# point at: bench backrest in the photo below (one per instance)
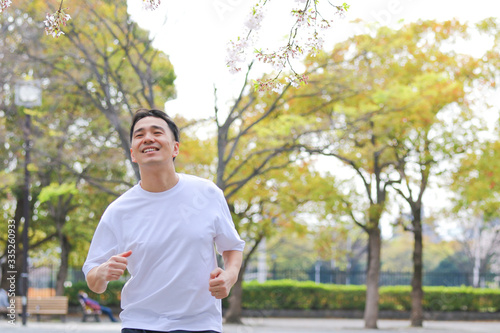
(45, 305)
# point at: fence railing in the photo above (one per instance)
(45, 277)
(325, 275)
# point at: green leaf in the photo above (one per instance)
(55, 190)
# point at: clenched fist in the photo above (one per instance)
(114, 268)
(111, 270)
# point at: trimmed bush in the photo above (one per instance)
(290, 294)
(461, 299)
(395, 298)
(307, 295)
(297, 295)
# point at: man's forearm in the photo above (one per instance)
(96, 282)
(232, 263)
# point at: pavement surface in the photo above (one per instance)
(266, 325)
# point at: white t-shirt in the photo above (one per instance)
(171, 235)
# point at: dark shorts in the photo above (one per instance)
(135, 330)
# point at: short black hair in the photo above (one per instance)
(143, 113)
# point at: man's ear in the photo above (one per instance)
(176, 149)
(132, 156)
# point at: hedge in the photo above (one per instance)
(300, 295)
(111, 297)
(289, 294)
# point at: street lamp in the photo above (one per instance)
(28, 95)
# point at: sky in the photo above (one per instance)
(195, 33)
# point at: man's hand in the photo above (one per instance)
(114, 268)
(221, 281)
(111, 270)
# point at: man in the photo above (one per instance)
(4, 300)
(94, 305)
(163, 231)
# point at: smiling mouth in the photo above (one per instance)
(149, 150)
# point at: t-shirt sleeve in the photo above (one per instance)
(226, 238)
(104, 245)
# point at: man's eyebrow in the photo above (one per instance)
(141, 129)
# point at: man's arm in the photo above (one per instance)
(221, 281)
(113, 269)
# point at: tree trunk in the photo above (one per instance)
(233, 314)
(372, 278)
(62, 274)
(417, 293)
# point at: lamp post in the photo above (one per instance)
(28, 95)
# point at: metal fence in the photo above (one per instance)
(325, 275)
(45, 277)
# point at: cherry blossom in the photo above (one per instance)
(306, 38)
(236, 53)
(4, 4)
(296, 80)
(237, 50)
(55, 22)
(151, 4)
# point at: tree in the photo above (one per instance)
(476, 185)
(358, 137)
(429, 139)
(400, 79)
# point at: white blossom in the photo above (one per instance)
(292, 80)
(54, 23)
(307, 37)
(254, 20)
(4, 4)
(278, 88)
(150, 4)
(236, 54)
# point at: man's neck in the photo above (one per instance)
(158, 181)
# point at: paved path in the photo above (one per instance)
(270, 325)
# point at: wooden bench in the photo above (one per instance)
(54, 305)
(89, 312)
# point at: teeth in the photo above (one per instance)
(148, 150)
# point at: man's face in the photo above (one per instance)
(153, 142)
